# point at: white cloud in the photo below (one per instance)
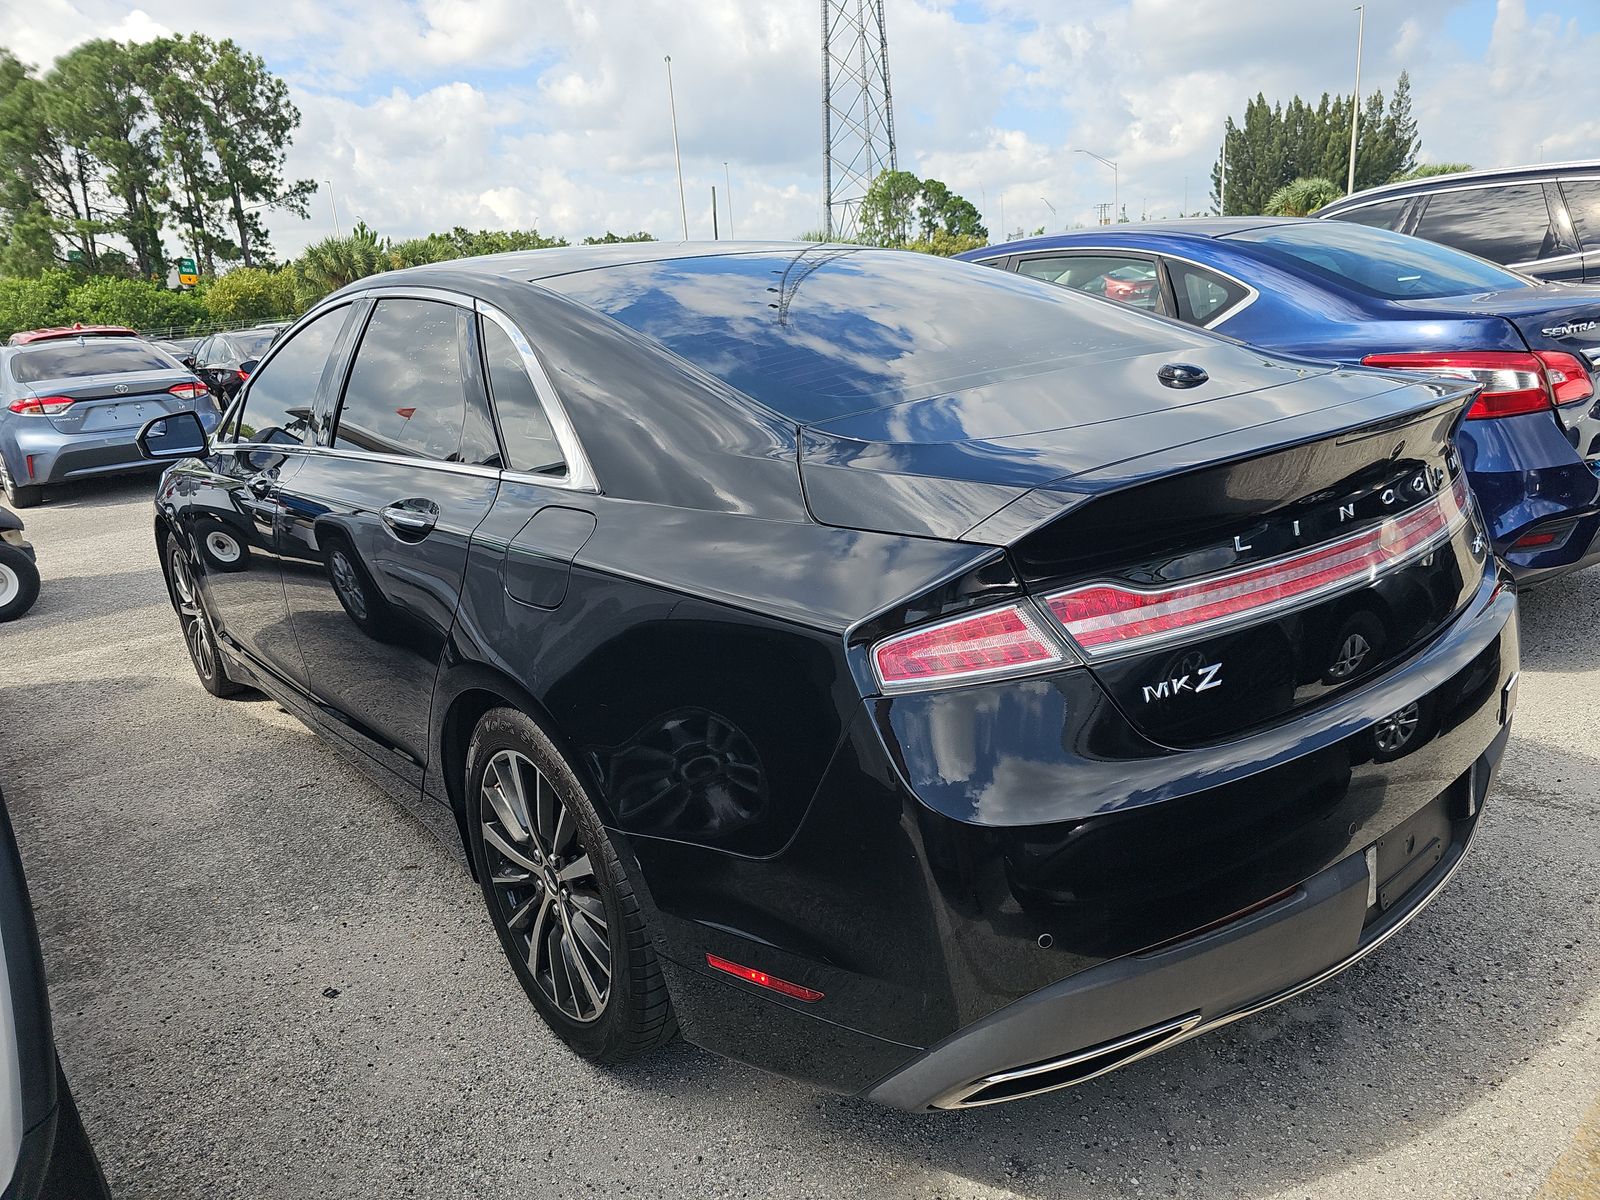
(434, 113)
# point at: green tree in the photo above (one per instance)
(941, 210)
(247, 294)
(134, 302)
(96, 102)
(1429, 170)
(944, 243)
(887, 212)
(1279, 143)
(34, 303)
(332, 263)
(1302, 197)
(248, 121)
(608, 238)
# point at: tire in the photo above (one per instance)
(19, 495)
(19, 582)
(221, 547)
(358, 595)
(534, 834)
(199, 637)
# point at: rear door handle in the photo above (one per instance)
(406, 520)
(261, 485)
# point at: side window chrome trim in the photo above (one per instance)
(580, 475)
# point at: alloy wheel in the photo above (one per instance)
(545, 887)
(1395, 730)
(350, 589)
(196, 632)
(1351, 655)
(10, 585)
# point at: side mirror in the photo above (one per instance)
(179, 435)
(248, 366)
(188, 361)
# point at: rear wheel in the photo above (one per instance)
(18, 495)
(198, 635)
(19, 582)
(565, 913)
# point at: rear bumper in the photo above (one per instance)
(58, 457)
(1130, 1008)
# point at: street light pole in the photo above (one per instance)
(337, 231)
(1116, 184)
(1355, 102)
(728, 179)
(1050, 206)
(672, 104)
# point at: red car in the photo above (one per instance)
(69, 331)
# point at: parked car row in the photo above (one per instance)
(919, 679)
(72, 399)
(1346, 293)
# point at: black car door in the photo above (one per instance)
(1508, 223)
(1582, 198)
(381, 517)
(232, 512)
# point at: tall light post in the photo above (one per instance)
(728, 179)
(1116, 184)
(1355, 102)
(337, 231)
(672, 105)
(1050, 206)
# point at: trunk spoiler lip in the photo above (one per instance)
(1051, 500)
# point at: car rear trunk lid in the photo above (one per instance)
(110, 402)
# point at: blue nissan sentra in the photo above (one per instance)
(1357, 295)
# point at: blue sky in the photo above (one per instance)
(429, 113)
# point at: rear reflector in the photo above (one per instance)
(1514, 382)
(762, 979)
(34, 406)
(1106, 619)
(987, 645)
(188, 391)
(1531, 541)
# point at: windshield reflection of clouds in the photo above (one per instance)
(820, 333)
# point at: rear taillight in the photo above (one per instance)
(1514, 382)
(987, 645)
(34, 406)
(188, 391)
(1106, 619)
(243, 375)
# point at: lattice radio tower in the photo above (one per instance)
(857, 109)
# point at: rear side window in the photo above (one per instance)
(278, 407)
(1583, 202)
(1377, 262)
(407, 392)
(1502, 224)
(75, 359)
(1126, 279)
(530, 442)
(1202, 295)
(1385, 215)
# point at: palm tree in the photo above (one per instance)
(332, 263)
(1302, 197)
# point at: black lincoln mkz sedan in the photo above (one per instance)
(921, 681)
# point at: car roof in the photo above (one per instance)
(530, 266)
(57, 332)
(1193, 227)
(1414, 187)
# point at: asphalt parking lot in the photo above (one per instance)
(269, 981)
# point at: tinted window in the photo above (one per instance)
(278, 406)
(73, 359)
(251, 345)
(530, 443)
(1377, 262)
(1131, 281)
(1380, 216)
(1202, 295)
(406, 393)
(1502, 224)
(1583, 202)
(819, 333)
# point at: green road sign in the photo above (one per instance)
(74, 255)
(186, 267)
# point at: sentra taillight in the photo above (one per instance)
(987, 645)
(34, 406)
(1514, 382)
(1107, 619)
(188, 391)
